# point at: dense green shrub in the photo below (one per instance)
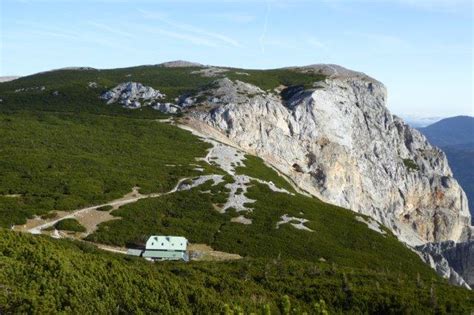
(74, 94)
(411, 165)
(42, 275)
(69, 225)
(49, 215)
(105, 208)
(64, 161)
(270, 79)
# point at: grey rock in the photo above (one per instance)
(166, 108)
(186, 101)
(226, 91)
(442, 267)
(30, 89)
(180, 64)
(210, 71)
(131, 94)
(450, 256)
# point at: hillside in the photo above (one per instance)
(123, 174)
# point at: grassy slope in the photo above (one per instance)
(41, 275)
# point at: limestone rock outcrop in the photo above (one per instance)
(132, 95)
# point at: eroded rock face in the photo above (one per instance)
(340, 143)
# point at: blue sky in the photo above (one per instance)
(421, 49)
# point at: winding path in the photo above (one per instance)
(132, 197)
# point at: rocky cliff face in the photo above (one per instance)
(339, 142)
(454, 261)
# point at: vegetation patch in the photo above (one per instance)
(270, 79)
(411, 165)
(255, 167)
(70, 225)
(190, 213)
(49, 215)
(75, 95)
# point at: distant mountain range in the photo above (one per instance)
(450, 131)
(455, 136)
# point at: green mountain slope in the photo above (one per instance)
(69, 150)
(64, 161)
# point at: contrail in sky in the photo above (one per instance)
(265, 25)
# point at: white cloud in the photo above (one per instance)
(62, 33)
(197, 40)
(110, 29)
(211, 36)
